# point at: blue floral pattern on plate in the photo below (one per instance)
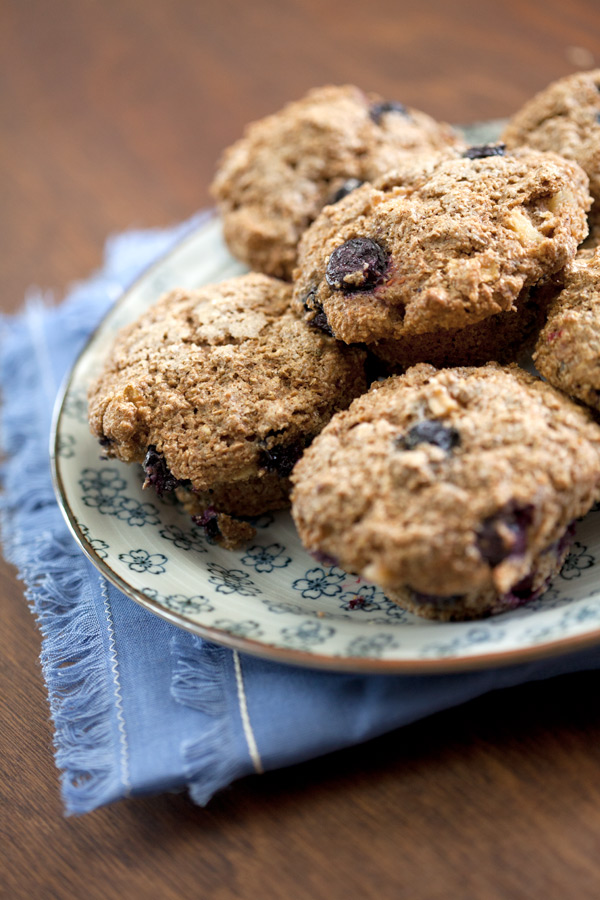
(100, 547)
(66, 446)
(374, 645)
(265, 559)
(306, 635)
(142, 561)
(473, 636)
(246, 628)
(76, 406)
(103, 490)
(576, 562)
(318, 582)
(192, 539)
(180, 603)
(232, 581)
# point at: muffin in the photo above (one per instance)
(274, 181)
(454, 490)
(217, 391)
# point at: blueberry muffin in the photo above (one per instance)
(217, 391)
(455, 490)
(565, 118)
(567, 352)
(440, 245)
(272, 183)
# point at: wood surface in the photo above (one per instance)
(112, 115)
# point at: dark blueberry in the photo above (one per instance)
(480, 151)
(348, 186)
(430, 431)
(386, 106)
(356, 603)
(281, 458)
(158, 474)
(524, 591)
(105, 441)
(505, 533)
(325, 558)
(357, 265)
(319, 319)
(209, 521)
(320, 322)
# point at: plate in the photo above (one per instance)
(271, 598)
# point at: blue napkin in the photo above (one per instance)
(138, 705)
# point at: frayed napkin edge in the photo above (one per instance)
(80, 689)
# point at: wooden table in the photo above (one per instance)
(112, 114)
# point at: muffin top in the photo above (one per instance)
(441, 243)
(272, 183)
(447, 481)
(565, 118)
(567, 352)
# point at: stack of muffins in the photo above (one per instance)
(387, 253)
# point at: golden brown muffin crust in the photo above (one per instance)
(441, 244)
(448, 482)
(220, 381)
(272, 183)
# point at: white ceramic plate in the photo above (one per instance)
(272, 599)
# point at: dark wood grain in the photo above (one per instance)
(112, 115)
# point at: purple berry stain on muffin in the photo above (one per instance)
(524, 590)
(158, 474)
(480, 151)
(281, 458)
(504, 534)
(209, 521)
(319, 318)
(563, 543)
(351, 184)
(326, 559)
(378, 110)
(356, 265)
(430, 431)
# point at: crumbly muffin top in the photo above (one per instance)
(567, 352)
(440, 243)
(216, 378)
(272, 183)
(447, 481)
(565, 118)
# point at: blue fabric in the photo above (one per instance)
(138, 705)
